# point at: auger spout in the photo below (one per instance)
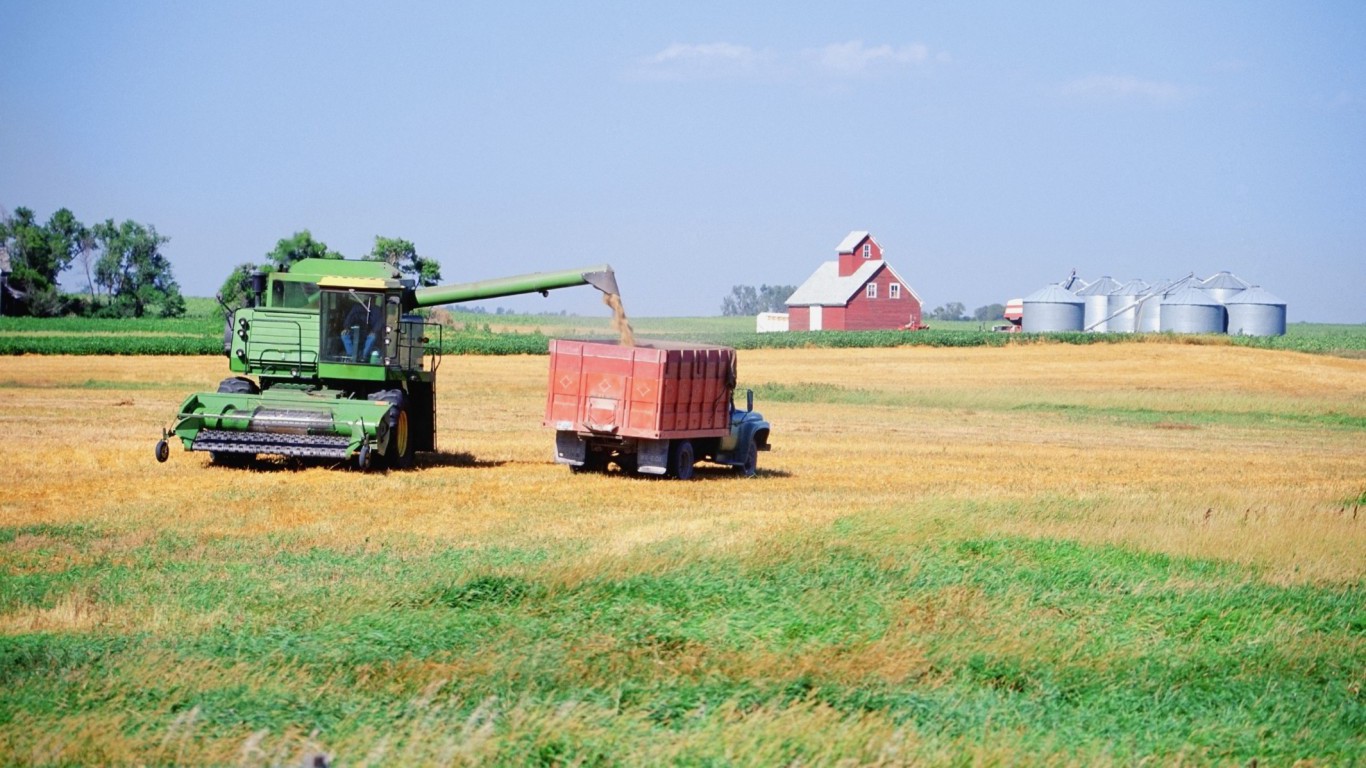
(600, 277)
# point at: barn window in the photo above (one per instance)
(868, 251)
(872, 290)
(894, 291)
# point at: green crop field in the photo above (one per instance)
(200, 333)
(1058, 554)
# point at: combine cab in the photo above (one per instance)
(342, 372)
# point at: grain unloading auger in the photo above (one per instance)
(342, 371)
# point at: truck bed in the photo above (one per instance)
(653, 390)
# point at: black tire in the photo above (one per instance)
(751, 465)
(238, 385)
(681, 460)
(163, 451)
(593, 461)
(400, 453)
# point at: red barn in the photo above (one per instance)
(857, 292)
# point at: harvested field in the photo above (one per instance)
(1096, 553)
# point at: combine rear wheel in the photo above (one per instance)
(238, 385)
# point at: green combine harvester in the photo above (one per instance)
(342, 371)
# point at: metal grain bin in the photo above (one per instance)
(1256, 312)
(1051, 309)
(1096, 303)
(1223, 286)
(1150, 311)
(1122, 306)
(1191, 310)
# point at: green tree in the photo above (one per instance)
(298, 247)
(954, 310)
(989, 312)
(237, 287)
(748, 300)
(403, 255)
(38, 254)
(133, 271)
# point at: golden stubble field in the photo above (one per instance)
(1204, 451)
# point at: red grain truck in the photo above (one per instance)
(655, 408)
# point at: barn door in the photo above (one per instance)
(816, 317)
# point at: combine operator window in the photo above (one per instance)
(355, 327)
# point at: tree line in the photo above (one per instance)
(395, 251)
(126, 275)
(748, 300)
(955, 310)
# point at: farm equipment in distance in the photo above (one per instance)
(342, 371)
(654, 408)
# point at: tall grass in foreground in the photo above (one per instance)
(1064, 554)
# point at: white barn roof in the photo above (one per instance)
(851, 241)
(826, 288)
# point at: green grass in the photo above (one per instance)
(1064, 651)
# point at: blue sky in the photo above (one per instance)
(990, 147)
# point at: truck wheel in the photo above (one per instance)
(400, 453)
(681, 460)
(593, 461)
(751, 465)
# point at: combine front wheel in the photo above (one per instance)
(400, 453)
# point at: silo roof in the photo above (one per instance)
(1134, 287)
(1102, 287)
(1052, 294)
(1191, 296)
(1226, 280)
(1257, 295)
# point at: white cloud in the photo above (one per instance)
(696, 61)
(1125, 88)
(854, 58)
(705, 61)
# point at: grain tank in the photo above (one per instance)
(341, 371)
(1192, 310)
(1051, 309)
(1256, 312)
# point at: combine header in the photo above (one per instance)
(342, 372)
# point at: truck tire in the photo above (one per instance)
(750, 467)
(681, 460)
(594, 461)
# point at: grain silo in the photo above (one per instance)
(1192, 310)
(1150, 309)
(1096, 303)
(1122, 306)
(1223, 286)
(1256, 312)
(1052, 308)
